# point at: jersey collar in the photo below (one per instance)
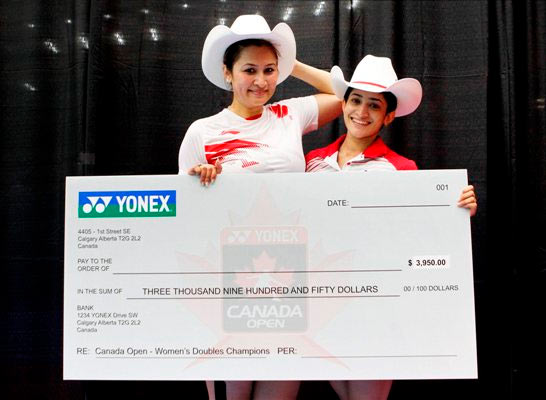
(377, 149)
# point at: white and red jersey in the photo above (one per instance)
(269, 142)
(376, 157)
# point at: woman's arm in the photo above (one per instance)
(328, 104)
(315, 77)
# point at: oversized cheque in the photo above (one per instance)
(269, 276)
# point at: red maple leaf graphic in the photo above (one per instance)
(267, 273)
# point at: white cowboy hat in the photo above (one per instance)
(376, 74)
(247, 27)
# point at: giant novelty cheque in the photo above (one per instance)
(269, 277)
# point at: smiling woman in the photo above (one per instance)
(250, 135)
(253, 76)
(371, 100)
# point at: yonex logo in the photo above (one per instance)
(128, 204)
(238, 236)
(94, 204)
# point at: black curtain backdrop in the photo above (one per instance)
(109, 87)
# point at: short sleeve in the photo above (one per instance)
(192, 151)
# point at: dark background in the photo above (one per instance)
(91, 87)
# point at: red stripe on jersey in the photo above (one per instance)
(324, 152)
(279, 110)
(215, 151)
(315, 159)
(253, 117)
(247, 164)
(316, 164)
(232, 132)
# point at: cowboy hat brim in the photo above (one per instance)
(408, 91)
(221, 37)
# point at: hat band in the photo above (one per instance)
(370, 83)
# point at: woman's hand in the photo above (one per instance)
(206, 172)
(468, 200)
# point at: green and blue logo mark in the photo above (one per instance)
(127, 204)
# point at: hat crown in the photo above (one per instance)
(245, 24)
(376, 75)
(376, 71)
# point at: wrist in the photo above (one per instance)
(296, 69)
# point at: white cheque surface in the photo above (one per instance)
(271, 276)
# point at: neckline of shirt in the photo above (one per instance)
(251, 118)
